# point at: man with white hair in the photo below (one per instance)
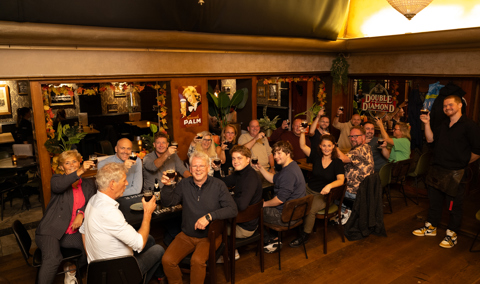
(204, 199)
(107, 234)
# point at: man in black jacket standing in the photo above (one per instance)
(204, 199)
(456, 144)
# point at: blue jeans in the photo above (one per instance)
(150, 258)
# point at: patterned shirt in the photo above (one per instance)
(359, 168)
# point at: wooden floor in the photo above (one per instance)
(398, 258)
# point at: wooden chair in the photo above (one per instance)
(215, 229)
(293, 210)
(471, 248)
(399, 174)
(252, 212)
(25, 242)
(421, 169)
(118, 270)
(385, 174)
(106, 147)
(337, 193)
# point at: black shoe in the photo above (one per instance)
(299, 241)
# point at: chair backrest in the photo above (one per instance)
(106, 147)
(385, 174)
(23, 239)
(296, 208)
(423, 163)
(251, 213)
(336, 193)
(215, 229)
(119, 270)
(400, 170)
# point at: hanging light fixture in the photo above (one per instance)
(200, 2)
(409, 8)
(217, 90)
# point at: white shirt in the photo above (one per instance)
(107, 233)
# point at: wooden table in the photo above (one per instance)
(141, 123)
(22, 163)
(6, 138)
(89, 130)
(302, 163)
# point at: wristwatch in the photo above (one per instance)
(209, 219)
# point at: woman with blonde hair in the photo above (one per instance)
(64, 215)
(229, 139)
(205, 145)
(401, 142)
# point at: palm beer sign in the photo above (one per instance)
(378, 100)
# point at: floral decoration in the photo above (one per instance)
(267, 81)
(58, 90)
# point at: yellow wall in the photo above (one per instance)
(377, 17)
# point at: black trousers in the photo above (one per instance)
(437, 200)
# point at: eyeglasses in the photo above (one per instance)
(207, 140)
(353, 136)
(199, 167)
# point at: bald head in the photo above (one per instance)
(253, 128)
(123, 149)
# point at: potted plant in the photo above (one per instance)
(63, 139)
(221, 106)
(266, 124)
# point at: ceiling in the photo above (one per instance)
(316, 19)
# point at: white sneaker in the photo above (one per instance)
(345, 216)
(70, 278)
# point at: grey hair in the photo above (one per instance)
(199, 155)
(110, 172)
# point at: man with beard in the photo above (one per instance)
(370, 138)
(282, 134)
(358, 164)
(134, 174)
(456, 144)
(344, 127)
(160, 160)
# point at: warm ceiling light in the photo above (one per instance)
(200, 2)
(409, 8)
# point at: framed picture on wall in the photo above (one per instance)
(273, 92)
(261, 91)
(61, 100)
(112, 108)
(23, 88)
(5, 107)
(120, 90)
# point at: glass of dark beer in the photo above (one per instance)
(93, 158)
(304, 124)
(254, 160)
(174, 144)
(380, 142)
(217, 162)
(133, 156)
(147, 194)
(341, 108)
(424, 111)
(171, 175)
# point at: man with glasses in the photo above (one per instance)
(258, 144)
(204, 199)
(160, 160)
(358, 165)
(344, 127)
(370, 138)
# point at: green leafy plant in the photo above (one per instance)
(339, 72)
(149, 139)
(311, 113)
(266, 123)
(221, 106)
(64, 138)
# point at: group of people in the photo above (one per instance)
(86, 216)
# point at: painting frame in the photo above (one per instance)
(61, 101)
(119, 92)
(5, 106)
(112, 108)
(261, 92)
(23, 87)
(272, 92)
